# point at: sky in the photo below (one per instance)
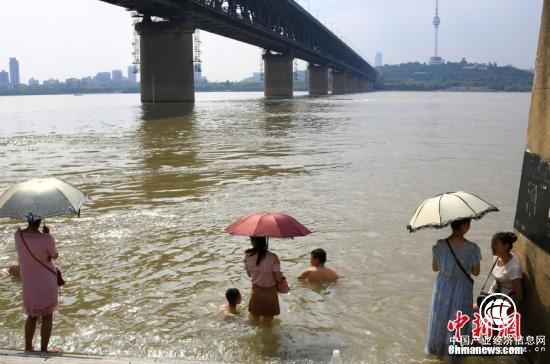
(77, 38)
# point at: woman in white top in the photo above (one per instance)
(507, 271)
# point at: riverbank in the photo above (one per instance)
(414, 76)
(21, 357)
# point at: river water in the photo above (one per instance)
(148, 262)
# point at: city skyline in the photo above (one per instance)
(115, 74)
(400, 30)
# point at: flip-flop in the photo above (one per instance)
(54, 350)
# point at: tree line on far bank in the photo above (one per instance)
(460, 76)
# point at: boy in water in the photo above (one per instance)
(233, 299)
(318, 273)
(14, 271)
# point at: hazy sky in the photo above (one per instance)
(77, 38)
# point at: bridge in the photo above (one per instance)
(281, 27)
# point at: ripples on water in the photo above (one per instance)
(148, 262)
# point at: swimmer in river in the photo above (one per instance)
(318, 273)
(234, 298)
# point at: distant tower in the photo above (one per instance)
(14, 72)
(378, 60)
(436, 59)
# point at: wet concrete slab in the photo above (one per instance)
(21, 357)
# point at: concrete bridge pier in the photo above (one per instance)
(278, 76)
(318, 80)
(166, 59)
(363, 85)
(369, 85)
(351, 83)
(339, 83)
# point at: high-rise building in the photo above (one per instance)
(378, 60)
(436, 21)
(4, 79)
(103, 78)
(33, 82)
(132, 74)
(116, 76)
(14, 72)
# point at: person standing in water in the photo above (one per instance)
(454, 259)
(264, 269)
(35, 251)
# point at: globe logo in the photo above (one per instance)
(498, 311)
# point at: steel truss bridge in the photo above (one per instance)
(282, 26)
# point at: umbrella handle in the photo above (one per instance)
(44, 227)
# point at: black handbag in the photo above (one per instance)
(482, 294)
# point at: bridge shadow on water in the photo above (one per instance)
(188, 150)
(169, 147)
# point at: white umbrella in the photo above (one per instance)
(441, 210)
(40, 198)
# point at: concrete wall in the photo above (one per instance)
(532, 220)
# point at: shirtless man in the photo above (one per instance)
(318, 273)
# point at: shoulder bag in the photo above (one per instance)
(282, 286)
(458, 262)
(482, 294)
(57, 272)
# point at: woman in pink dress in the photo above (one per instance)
(264, 269)
(39, 280)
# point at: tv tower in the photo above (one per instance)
(436, 59)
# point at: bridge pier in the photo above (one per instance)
(361, 82)
(278, 75)
(352, 83)
(532, 221)
(364, 85)
(339, 83)
(318, 80)
(166, 59)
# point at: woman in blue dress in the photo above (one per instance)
(453, 289)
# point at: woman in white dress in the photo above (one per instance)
(507, 271)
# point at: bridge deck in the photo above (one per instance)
(282, 26)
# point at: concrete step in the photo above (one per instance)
(21, 357)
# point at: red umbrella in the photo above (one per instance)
(268, 224)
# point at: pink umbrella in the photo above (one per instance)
(268, 224)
